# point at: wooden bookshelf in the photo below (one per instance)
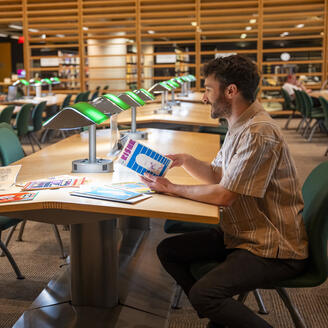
(125, 42)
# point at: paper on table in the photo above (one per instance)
(8, 175)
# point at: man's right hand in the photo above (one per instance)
(177, 159)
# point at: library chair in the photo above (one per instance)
(22, 123)
(37, 120)
(315, 216)
(104, 90)
(6, 114)
(288, 106)
(79, 97)
(174, 227)
(300, 105)
(86, 96)
(311, 113)
(94, 95)
(324, 105)
(10, 152)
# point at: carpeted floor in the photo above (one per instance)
(38, 258)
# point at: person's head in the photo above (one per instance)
(226, 78)
(291, 78)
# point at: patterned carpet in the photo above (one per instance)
(38, 259)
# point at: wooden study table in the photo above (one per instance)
(322, 93)
(194, 97)
(94, 256)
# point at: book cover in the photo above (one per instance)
(16, 197)
(53, 183)
(110, 193)
(142, 159)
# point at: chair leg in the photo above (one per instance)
(36, 140)
(260, 303)
(300, 125)
(30, 140)
(312, 131)
(242, 297)
(44, 135)
(9, 235)
(21, 231)
(11, 260)
(177, 298)
(59, 241)
(296, 316)
(288, 121)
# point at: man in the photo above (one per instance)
(291, 84)
(261, 237)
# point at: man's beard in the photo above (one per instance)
(221, 108)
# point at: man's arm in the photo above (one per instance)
(198, 169)
(211, 193)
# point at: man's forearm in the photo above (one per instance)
(201, 170)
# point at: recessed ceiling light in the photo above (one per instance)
(85, 28)
(299, 25)
(194, 23)
(243, 36)
(14, 37)
(3, 35)
(58, 35)
(284, 34)
(151, 32)
(16, 27)
(33, 30)
(43, 36)
(248, 28)
(252, 21)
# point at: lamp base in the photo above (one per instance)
(100, 166)
(138, 135)
(166, 110)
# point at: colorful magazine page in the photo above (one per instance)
(53, 183)
(133, 186)
(16, 197)
(110, 193)
(142, 159)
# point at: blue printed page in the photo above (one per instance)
(142, 159)
(109, 193)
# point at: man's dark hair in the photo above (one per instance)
(235, 69)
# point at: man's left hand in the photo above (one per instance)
(158, 184)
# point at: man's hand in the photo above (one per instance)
(158, 184)
(178, 159)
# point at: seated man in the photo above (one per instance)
(261, 238)
(291, 84)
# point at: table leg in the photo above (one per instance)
(94, 264)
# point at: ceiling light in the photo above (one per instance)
(16, 27)
(43, 36)
(3, 35)
(322, 33)
(252, 21)
(299, 25)
(85, 28)
(33, 30)
(151, 32)
(243, 36)
(248, 28)
(14, 37)
(58, 35)
(194, 23)
(284, 34)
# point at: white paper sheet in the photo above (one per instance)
(8, 175)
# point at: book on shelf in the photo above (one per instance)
(111, 193)
(143, 159)
(54, 183)
(17, 196)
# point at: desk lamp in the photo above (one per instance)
(162, 88)
(175, 85)
(26, 85)
(134, 101)
(144, 94)
(191, 78)
(37, 84)
(47, 82)
(183, 84)
(187, 81)
(80, 115)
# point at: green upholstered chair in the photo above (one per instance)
(79, 97)
(37, 119)
(315, 215)
(86, 96)
(104, 90)
(311, 113)
(324, 105)
(95, 95)
(10, 152)
(288, 105)
(7, 114)
(174, 226)
(300, 105)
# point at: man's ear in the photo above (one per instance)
(231, 90)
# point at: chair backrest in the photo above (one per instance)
(300, 105)
(66, 101)
(23, 119)
(10, 147)
(287, 100)
(315, 215)
(7, 114)
(324, 105)
(95, 95)
(79, 97)
(308, 103)
(86, 96)
(37, 115)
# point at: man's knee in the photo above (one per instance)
(164, 249)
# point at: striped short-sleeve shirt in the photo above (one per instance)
(256, 163)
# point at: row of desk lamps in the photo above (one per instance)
(94, 112)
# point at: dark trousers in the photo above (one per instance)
(239, 271)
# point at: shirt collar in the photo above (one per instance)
(254, 108)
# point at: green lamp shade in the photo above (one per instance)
(166, 85)
(55, 79)
(24, 82)
(185, 78)
(180, 80)
(135, 97)
(175, 84)
(79, 115)
(170, 84)
(148, 93)
(48, 81)
(117, 101)
(192, 77)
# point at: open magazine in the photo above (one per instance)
(143, 159)
(17, 196)
(54, 183)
